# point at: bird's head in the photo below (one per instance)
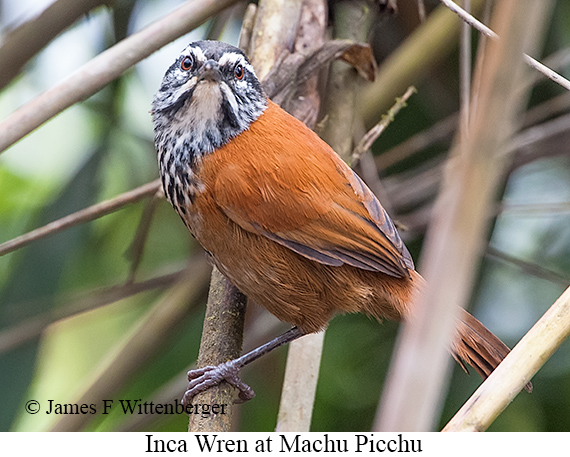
(210, 94)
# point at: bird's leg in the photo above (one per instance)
(202, 379)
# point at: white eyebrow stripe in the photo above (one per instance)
(196, 51)
(235, 58)
(232, 58)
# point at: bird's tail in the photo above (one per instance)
(478, 346)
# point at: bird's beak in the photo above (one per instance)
(210, 71)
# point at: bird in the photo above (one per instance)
(279, 213)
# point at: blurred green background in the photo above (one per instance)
(104, 146)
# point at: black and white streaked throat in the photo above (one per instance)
(209, 95)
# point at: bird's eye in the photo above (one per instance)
(239, 72)
(187, 63)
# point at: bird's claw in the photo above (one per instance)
(202, 379)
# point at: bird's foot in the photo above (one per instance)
(204, 378)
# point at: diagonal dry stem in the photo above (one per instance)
(136, 248)
(25, 41)
(144, 341)
(79, 217)
(33, 327)
(532, 62)
(526, 358)
(528, 268)
(104, 68)
(374, 133)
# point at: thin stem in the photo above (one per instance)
(549, 73)
(422, 10)
(465, 72)
(372, 135)
(561, 208)
(528, 267)
(33, 327)
(137, 247)
(532, 62)
(472, 21)
(85, 215)
(438, 132)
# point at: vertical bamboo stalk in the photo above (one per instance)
(303, 362)
(353, 20)
(416, 381)
(274, 30)
(307, 18)
(300, 384)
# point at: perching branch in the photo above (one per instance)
(222, 337)
(258, 332)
